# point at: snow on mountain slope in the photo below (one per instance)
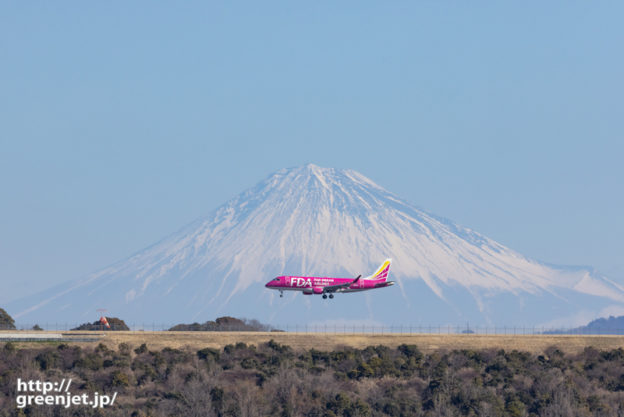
(320, 221)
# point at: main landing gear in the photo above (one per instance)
(330, 296)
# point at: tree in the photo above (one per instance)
(6, 321)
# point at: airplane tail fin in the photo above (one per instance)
(383, 271)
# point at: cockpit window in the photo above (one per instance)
(276, 279)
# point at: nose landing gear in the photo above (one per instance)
(281, 294)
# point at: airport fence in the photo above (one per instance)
(314, 328)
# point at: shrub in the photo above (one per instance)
(411, 351)
(47, 359)
(206, 353)
(277, 347)
(91, 361)
(249, 363)
(120, 379)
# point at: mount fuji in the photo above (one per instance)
(321, 221)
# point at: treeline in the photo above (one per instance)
(225, 324)
(221, 324)
(274, 380)
(610, 325)
(114, 324)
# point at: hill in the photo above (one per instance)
(610, 325)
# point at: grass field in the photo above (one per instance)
(303, 341)
(320, 341)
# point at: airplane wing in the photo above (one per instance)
(334, 288)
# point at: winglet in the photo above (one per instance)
(355, 281)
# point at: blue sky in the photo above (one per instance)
(122, 121)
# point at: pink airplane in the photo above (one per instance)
(325, 285)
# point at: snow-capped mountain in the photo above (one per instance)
(321, 221)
